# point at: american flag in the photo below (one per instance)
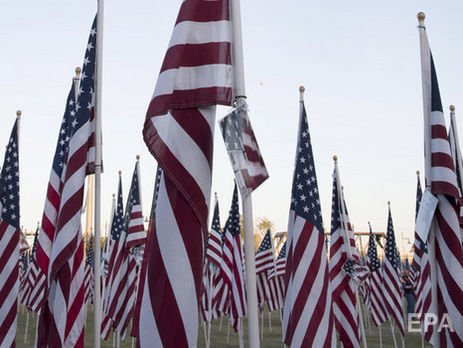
(265, 255)
(195, 76)
(117, 227)
(136, 234)
(61, 250)
(232, 263)
(88, 280)
(345, 306)
(278, 273)
(392, 284)
(9, 240)
(375, 302)
(443, 184)
(421, 269)
(307, 311)
(214, 241)
(456, 156)
(35, 280)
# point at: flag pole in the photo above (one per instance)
(347, 241)
(240, 100)
(98, 168)
(425, 55)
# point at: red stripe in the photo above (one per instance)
(203, 11)
(193, 55)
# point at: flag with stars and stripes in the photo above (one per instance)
(307, 311)
(196, 75)
(35, 280)
(375, 302)
(60, 252)
(442, 181)
(214, 241)
(392, 283)
(88, 280)
(265, 255)
(117, 227)
(9, 240)
(232, 263)
(136, 234)
(342, 284)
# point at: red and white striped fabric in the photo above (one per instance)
(232, 263)
(456, 157)
(136, 234)
(88, 270)
(9, 240)
(60, 251)
(443, 184)
(195, 76)
(341, 284)
(307, 311)
(392, 283)
(220, 295)
(375, 302)
(214, 241)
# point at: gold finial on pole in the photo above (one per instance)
(138, 157)
(302, 89)
(417, 172)
(120, 172)
(114, 195)
(301, 93)
(78, 71)
(335, 158)
(389, 203)
(421, 16)
(452, 108)
(18, 113)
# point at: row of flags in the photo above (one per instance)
(184, 271)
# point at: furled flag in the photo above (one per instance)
(375, 302)
(392, 284)
(136, 234)
(195, 76)
(443, 184)
(232, 263)
(421, 269)
(9, 240)
(307, 312)
(342, 284)
(88, 280)
(61, 251)
(456, 156)
(117, 227)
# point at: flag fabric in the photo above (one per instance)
(214, 241)
(9, 240)
(195, 76)
(136, 234)
(232, 263)
(375, 303)
(456, 156)
(117, 227)
(345, 306)
(356, 270)
(265, 255)
(421, 270)
(61, 251)
(392, 283)
(443, 184)
(88, 279)
(36, 280)
(307, 311)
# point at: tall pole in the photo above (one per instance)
(426, 90)
(98, 164)
(239, 95)
(347, 244)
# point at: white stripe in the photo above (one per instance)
(177, 264)
(189, 32)
(437, 118)
(148, 330)
(191, 78)
(186, 150)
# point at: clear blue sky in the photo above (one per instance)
(359, 62)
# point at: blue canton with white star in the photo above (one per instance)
(89, 259)
(9, 181)
(305, 199)
(118, 219)
(266, 243)
(391, 249)
(282, 254)
(373, 254)
(216, 219)
(233, 222)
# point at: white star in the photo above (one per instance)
(303, 197)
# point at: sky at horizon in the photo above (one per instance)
(358, 60)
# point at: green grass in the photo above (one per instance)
(219, 336)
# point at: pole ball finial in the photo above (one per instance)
(421, 16)
(120, 172)
(335, 158)
(417, 172)
(302, 89)
(78, 70)
(138, 157)
(452, 108)
(18, 113)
